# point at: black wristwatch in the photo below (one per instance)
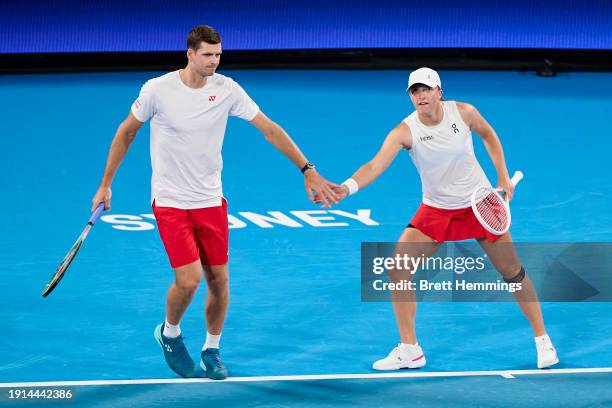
(307, 166)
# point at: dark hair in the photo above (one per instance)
(427, 86)
(203, 33)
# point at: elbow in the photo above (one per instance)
(126, 133)
(271, 131)
(130, 135)
(270, 135)
(372, 167)
(490, 137)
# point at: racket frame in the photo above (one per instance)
(63, 266)
(516, 178)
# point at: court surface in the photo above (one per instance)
(297, 333)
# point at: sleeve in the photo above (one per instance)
(243, 106)
(143, 107)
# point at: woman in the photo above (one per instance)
(438, 136)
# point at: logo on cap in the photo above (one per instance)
(425, 76)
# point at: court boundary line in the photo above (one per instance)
(509, 374)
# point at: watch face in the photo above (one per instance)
(308, 166)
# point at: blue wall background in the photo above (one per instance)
(112, 25)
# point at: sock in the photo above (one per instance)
(543, 338)
(171, 330)
(212, 341)
(408, 347)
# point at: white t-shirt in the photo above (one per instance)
(187, 130)
(444, 157)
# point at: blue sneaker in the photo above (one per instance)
(212, 364)
(176, 354)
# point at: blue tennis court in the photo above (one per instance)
(297, 332)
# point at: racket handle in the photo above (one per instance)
(96, 214)
(516, 177)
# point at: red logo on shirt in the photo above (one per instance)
(211, 98)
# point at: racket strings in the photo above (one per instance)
(492, 210)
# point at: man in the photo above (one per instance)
(438, 137)
(188, 110)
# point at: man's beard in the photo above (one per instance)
(206, 72)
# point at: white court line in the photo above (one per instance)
(411, 374)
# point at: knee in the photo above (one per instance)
(188, 284)
(397, 275)
(217, 282)
(514, 276)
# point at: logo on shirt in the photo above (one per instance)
(426, 138)
(211, 98)
(455, 128)
(137, 104)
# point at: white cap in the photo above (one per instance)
(425, 76)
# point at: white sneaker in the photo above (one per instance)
(402, 356)
(547, 355)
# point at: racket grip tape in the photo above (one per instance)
(516, 177)
(96, 214)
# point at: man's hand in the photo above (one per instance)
(102, 195)
(324, 190)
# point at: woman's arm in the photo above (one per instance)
(482, 128)
(399, 138)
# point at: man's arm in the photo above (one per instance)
(478, 124)
(118, 149)
(277, 136)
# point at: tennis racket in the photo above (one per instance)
(61, 269)
(491, 207)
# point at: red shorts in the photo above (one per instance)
(189, 235)
(449, 225)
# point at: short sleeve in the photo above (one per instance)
(143, 107)
(243, 106)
